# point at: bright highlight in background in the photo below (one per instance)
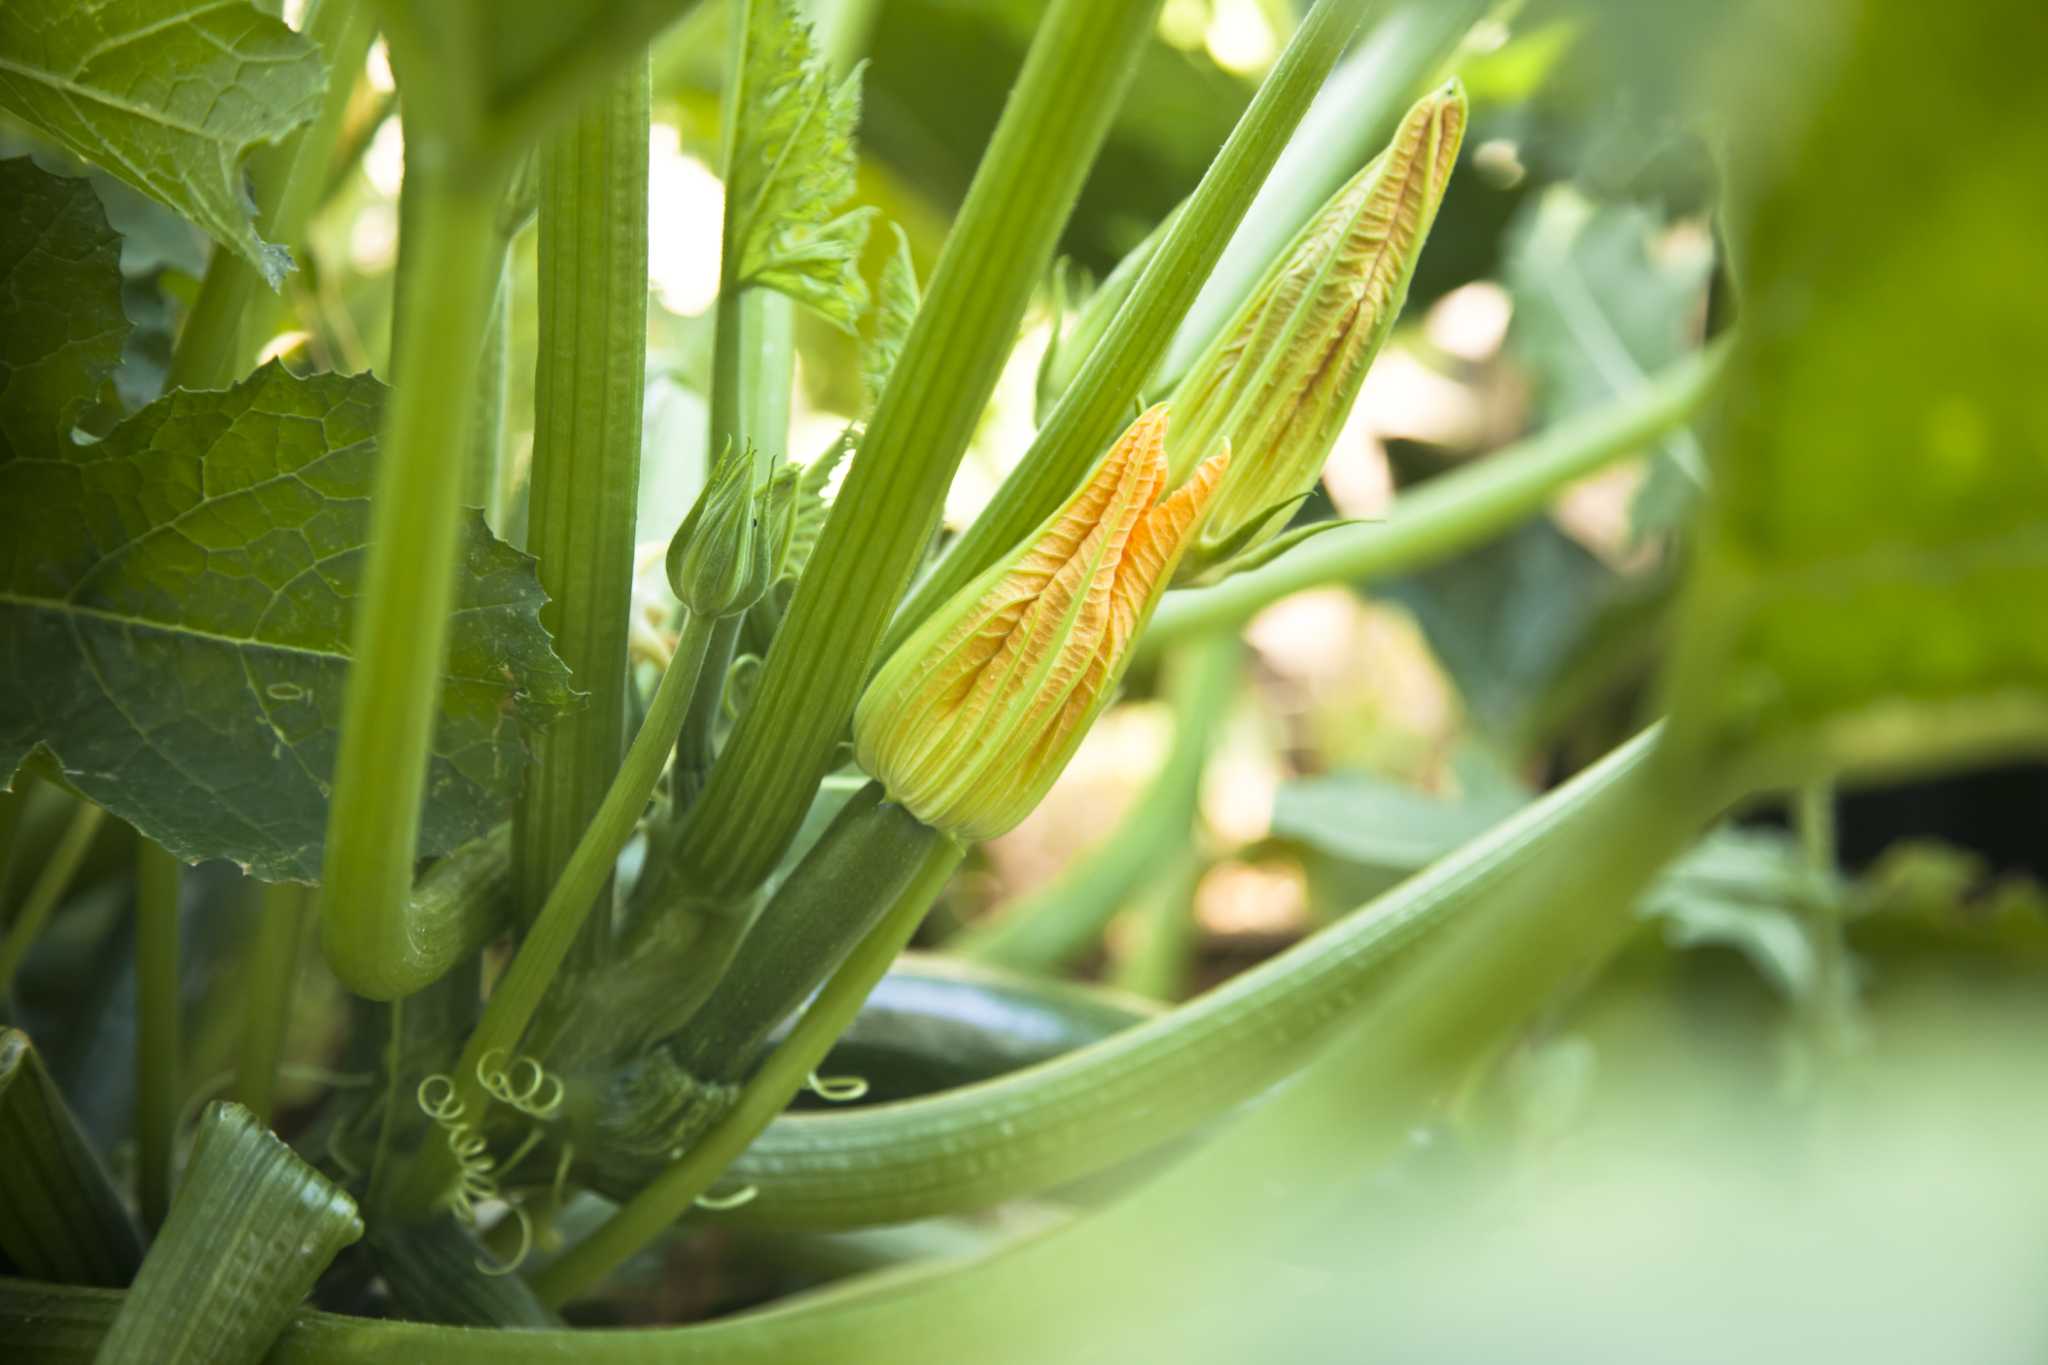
(685, 205)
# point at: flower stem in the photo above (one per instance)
(1080, 64)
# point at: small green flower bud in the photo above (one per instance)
(1278, 382)
(969, 722)
(724, 555)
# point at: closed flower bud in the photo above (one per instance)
(1279, 380)
(969, 722)
(727, 552)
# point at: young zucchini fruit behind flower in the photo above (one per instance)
(969, 722)
(1278, 382)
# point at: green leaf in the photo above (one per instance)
(60, 291)
(1871, 572)
(894, 313)
(1507, 619)
(175, 604)
(1602, 300)
(1749, 890)
(791, 166)
(170, 95)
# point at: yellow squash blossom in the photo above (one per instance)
(1279, 380)
(969, 722)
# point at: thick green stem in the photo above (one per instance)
(268, 974)
(1074, 77)
(235, 309)
(555, 929)
(49, 887)
(401, 626)
(1100, 399)
(159, 1057)
(484, 485)
(586, 464)
(651, 1213)
(252, 1229)
(1452, 511)
(860, 863)
(1040, 931)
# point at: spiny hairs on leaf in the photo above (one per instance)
(791, 168)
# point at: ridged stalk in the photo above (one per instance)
(252, 1228)
(586, 463)
(1074, 77)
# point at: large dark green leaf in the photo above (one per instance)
(170, 95)
(60, 293)
(1871, 577)
(174, 621)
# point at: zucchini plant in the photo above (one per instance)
(567, 829)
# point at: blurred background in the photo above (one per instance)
(1753, 1135)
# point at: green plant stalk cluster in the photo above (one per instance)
(651, 1212)
(1098, 402)
(586, 463)
(554, 930)
(1078, 68)
(1486, 936)
(1051, 925)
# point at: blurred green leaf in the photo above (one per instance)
(1868, 587)
(170, 95)
(1745, 890)
(790, 170)
(60, 291)
(1603, 298)
(1506, 618)
(176, 600)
